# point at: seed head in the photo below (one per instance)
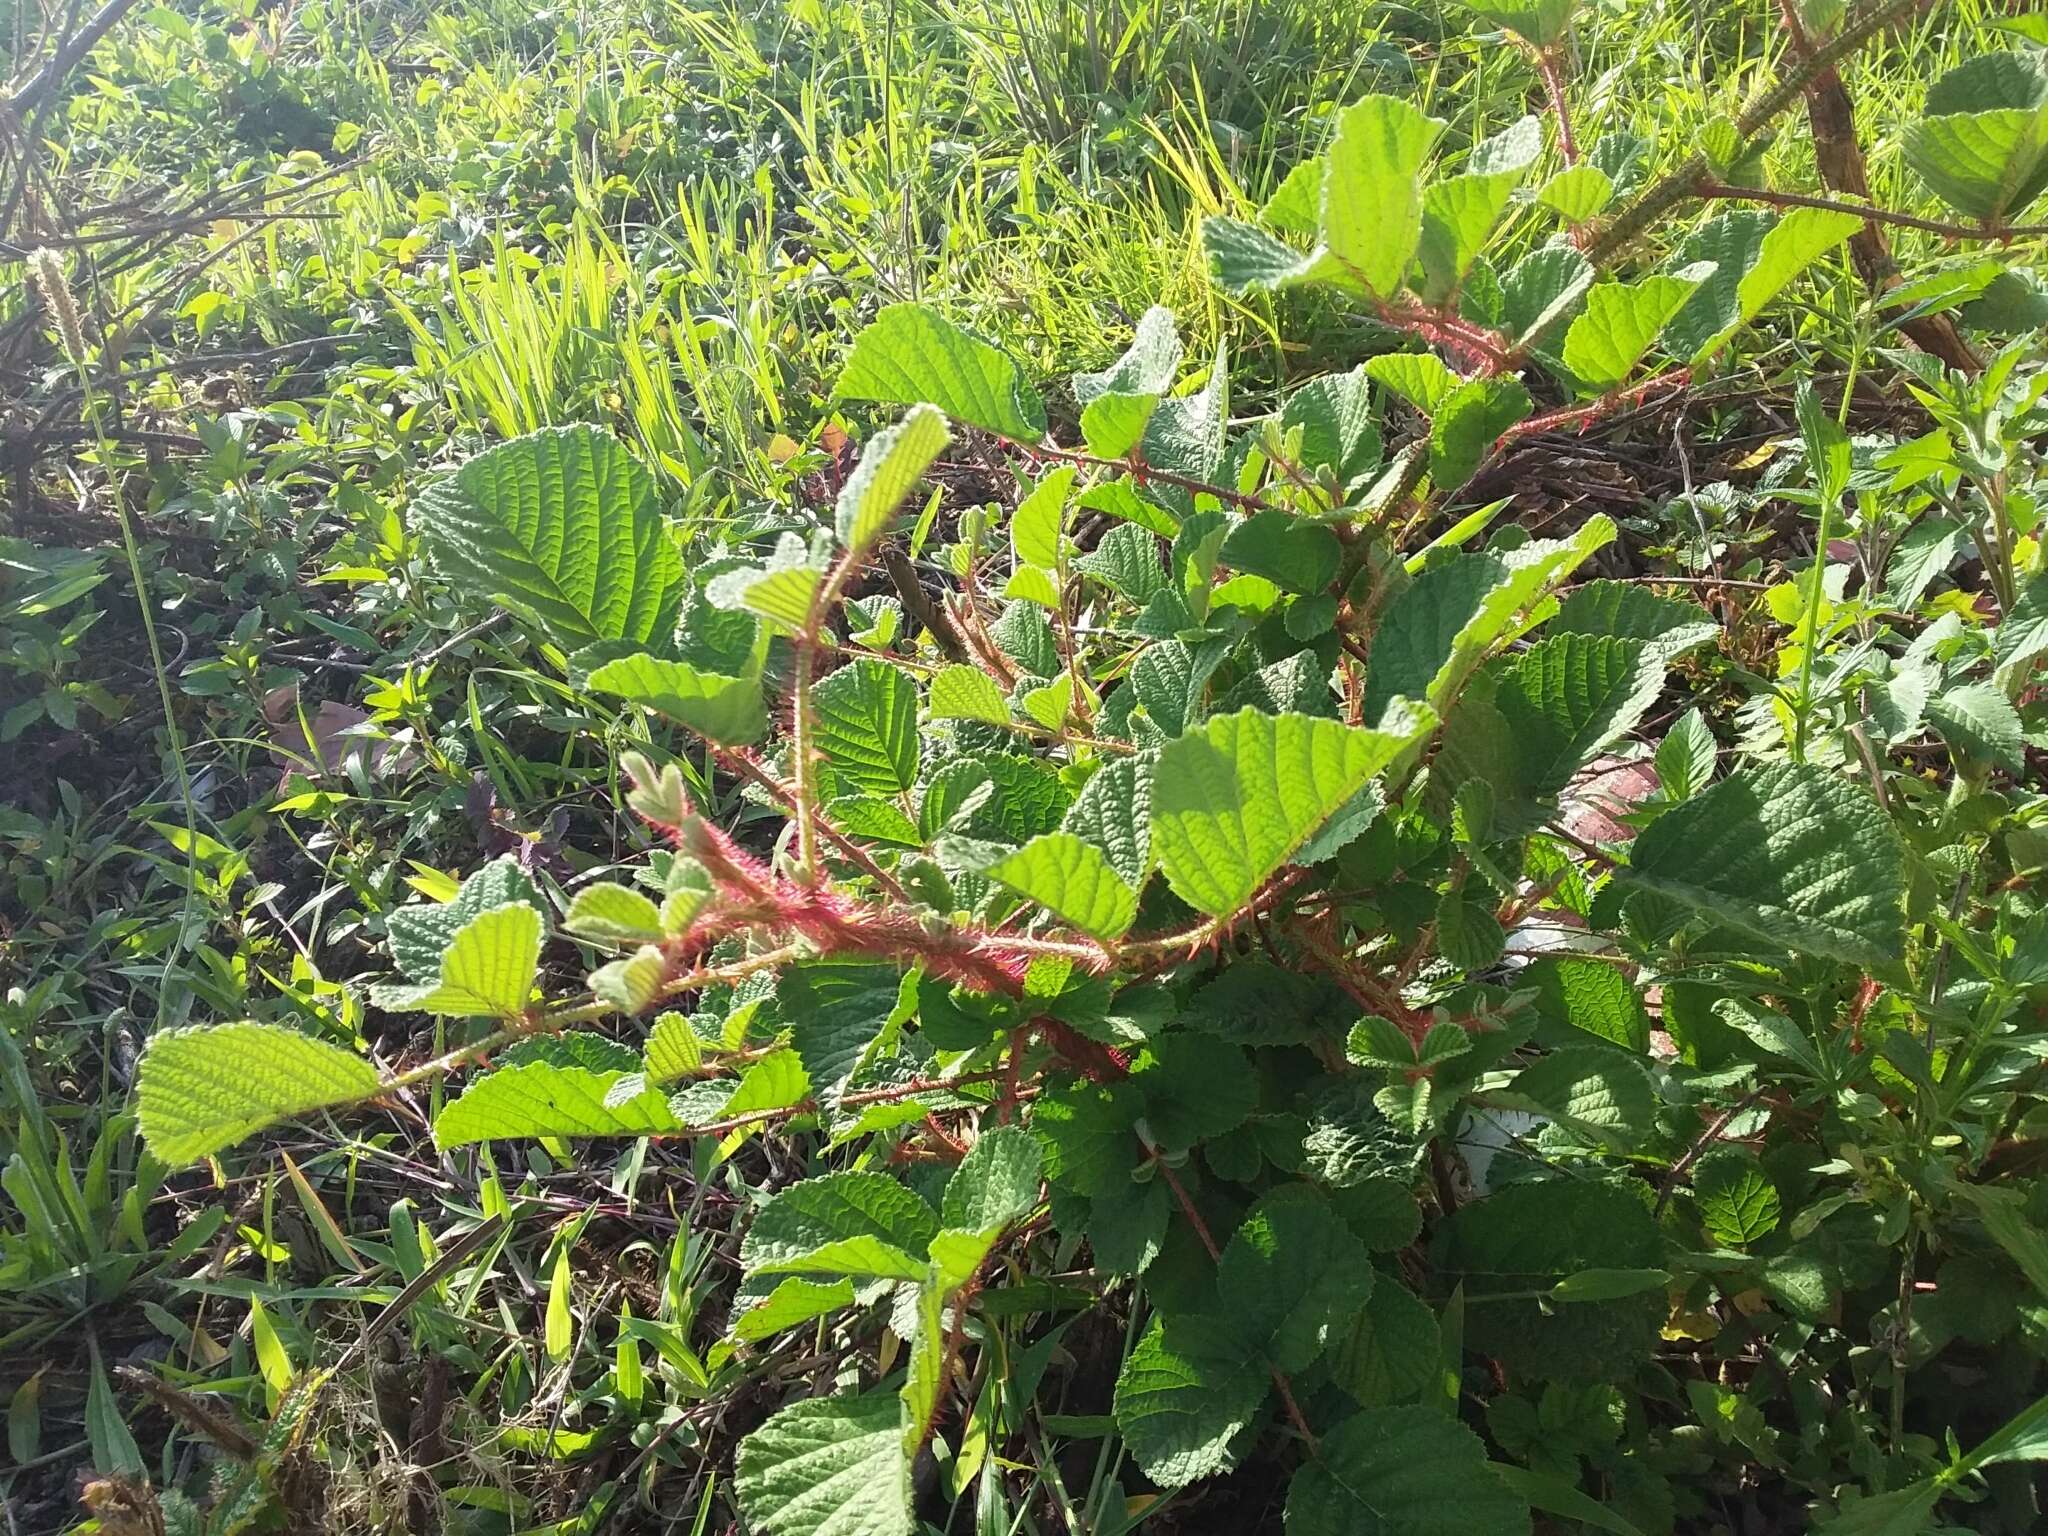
(48, 272)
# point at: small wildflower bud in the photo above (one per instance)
(48, 273)
(657, 796)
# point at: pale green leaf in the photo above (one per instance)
(1459, 212)
(1788, 853)
(1577, 193)
(889, 469)
(1073, 880)
(199, 1090)
(1112, 425)
(864, 722)
(911, 354)
(550, 1098)
(860, 1224)
(1605, 343)
(725, 709)
(1738, 1203)
(1036, 524)
(1148, 366)
(1423, 379)
(782, 591)
(967, 693)
(793, 1302)
(1233, 800)
(488, 969)
(1245, 259)
(615, 913)
(1755, 255)
(631, 984)
(1981, 143)
(674, 1048)
(1541, 22)
(562, 527)
(828, 1466)
(1372, 190)
(420, 933)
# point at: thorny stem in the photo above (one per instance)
(1208, 1240)
(554, 1020)
(1553, 83)
(1875, 215)
(1684, 181)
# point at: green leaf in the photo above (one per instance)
(1148, 367)
(1541, 22)
(1372, 190)
(860, 1224)
(1245, 259)
(1978, 721)
(488, 970)
(1459, 212)
(1035, 526)
(1390, 1350)
(1755, 255)
(1334, 414)
(1445, 622)
(674, 1049)
(1686, 757)
(722, 708)
(864, 722)
(1541, 289)
(1667, 626)
(1592, 1090)
(551, 1098)
(837, 1012)
(1290, 552)
(922, 1383)
(967, 693)
(1127, 562)
(420, 934)
(1467, 422)
(562, 527)
(1185, 1397)
(615, 913)
(781, 591)
(828, 1466)
(1788, 853)
(1295, 204)
(1291, 1276)
(1233, 800)
(1423, 379)
(1073, 880)
(792, 1303)
(1738, 1203)
(1530, 1236)
(996, 1184)
(199, 1090)
(2023, 633)
(1114, 812)
(632, 984)
(1587, 997)
(1605, 343)
(911, 354)
(1570, 696)
(1195, 1089)
(1577, 193)
(1981, 143)
(889, 469)
(1396, 1472)
(1112, 425)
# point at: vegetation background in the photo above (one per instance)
(300, 260)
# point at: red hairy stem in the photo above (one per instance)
(1869, 212)
(1208, 1240)
(1553, 85)
(1578, 418)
